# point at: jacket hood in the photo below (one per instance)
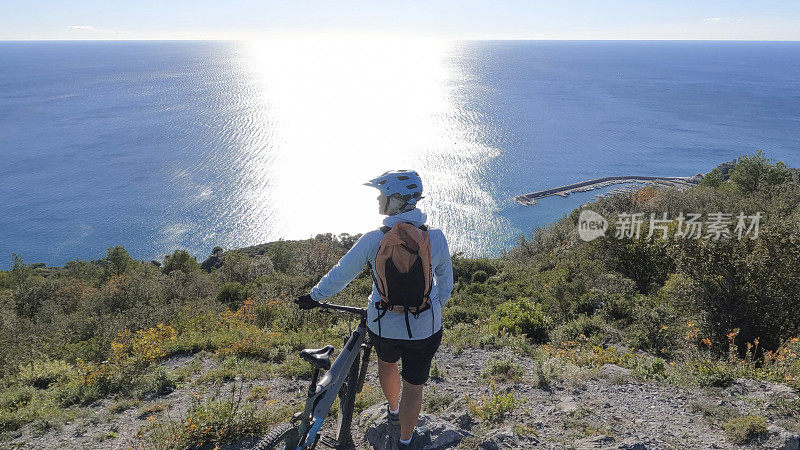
(414, 216)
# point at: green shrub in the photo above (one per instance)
(123, 404)
(588, 303)
(648, 368)
(619, 308)
(436, 401)
(647, 262)
(5, 280)
(41, 374)
(754, 172)
(713, 179)
(232, 294)
(282, 256)
(463, 268)
(584, 327)
(742, 430)
(180, 260)
(157, 383)
(522, 316)
(31, 295)
(460, 314)
(503, 369)
(461, 336)
(236, 267)
(211, 422)
(493, 409)
(16, 397)
(261, 266)
(748, 284)
(654, 328)
(480, 276)
(711, 374)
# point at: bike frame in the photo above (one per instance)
(322, 394)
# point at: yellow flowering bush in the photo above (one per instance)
(143, 346)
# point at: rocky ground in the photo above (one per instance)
(599, 408)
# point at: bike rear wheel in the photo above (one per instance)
(283, 437)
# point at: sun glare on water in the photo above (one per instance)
(325, 115)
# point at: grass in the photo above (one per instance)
(258, 394)
(745, 429)
(123, 405)
(503, 369)
(492, 409)
(583, 423)
(521, 429)
(367, 397)
(437, 400)
(214, 420)
(435, 373)
(151, 409)
(713, 411)
(234, 367)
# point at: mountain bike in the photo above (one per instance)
(343, 378)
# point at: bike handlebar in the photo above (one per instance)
(350, 309)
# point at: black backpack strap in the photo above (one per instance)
(375, 280)
(408, 325)
(385, 229)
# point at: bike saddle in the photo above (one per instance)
(320, 357)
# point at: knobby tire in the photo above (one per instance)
(283, 436)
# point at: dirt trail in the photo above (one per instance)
(602, 408)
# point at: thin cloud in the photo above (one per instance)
(724, 19)
(82, 27)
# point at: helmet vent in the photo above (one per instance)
(412, 186)
(382, 182)
(402, 177)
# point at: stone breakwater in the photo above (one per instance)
(597, 183)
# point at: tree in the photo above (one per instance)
(19, 271)
(236, 267)
(753, 172)
(752, 285)
(180, 260)
(117, 260)
(712, 179)
(282, 255)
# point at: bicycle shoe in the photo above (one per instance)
(394, 419)
(419, 439)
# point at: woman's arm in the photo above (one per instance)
(443, 272)
(348, 268)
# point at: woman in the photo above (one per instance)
(413, 342)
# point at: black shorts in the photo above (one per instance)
(417, 355)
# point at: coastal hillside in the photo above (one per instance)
(676, 326)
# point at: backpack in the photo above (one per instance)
(402, 271)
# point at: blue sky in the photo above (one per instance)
(503, 19)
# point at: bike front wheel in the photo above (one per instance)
(283, 437)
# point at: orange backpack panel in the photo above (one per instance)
(403, 246)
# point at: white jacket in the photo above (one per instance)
(393, 325)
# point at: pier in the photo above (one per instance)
(597, 183)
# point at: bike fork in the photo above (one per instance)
(347, 401)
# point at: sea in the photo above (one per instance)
(159, 146)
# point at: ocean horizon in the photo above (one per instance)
(164, 145)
